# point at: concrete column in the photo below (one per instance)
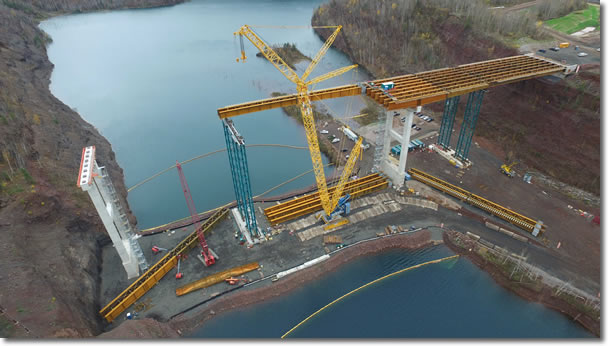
(405, 140)
(120, 244)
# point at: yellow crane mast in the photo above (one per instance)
(328, 203)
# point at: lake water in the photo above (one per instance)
(443, 300)
(151, 82)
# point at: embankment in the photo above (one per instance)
(187, 325)
(51, 234)
(539, 293)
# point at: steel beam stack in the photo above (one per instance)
(237, 155)
(447, 122)
(471, 114)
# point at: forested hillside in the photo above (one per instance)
(553, 128)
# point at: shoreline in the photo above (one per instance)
(185, 326)
(544, 297)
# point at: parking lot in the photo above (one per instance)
(569, 55)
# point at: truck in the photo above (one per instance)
(350, 134)
(564, 45)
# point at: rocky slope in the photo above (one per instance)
(553, 128)
(50, 233)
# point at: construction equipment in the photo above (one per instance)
(507, 170)
(328, 202)
(234, 281)
(179, 274)
(156, 250)
(208, 256)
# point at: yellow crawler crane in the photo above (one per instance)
(328, 203)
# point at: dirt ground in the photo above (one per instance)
(579, 238)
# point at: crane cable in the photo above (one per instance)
(209, 154)
(227, 204)
(368, 284)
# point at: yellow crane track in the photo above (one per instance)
(153, 275)
(311, 203)
(506, 214)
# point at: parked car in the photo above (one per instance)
(413, 125)
(395, 114)
(418, 128)
(555, 49)
(335, 140)
(581, 54)
(324, 132)
(542, 51)
(429, 119)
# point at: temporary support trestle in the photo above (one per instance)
(237, 155)
(447, 122)
(468, 124)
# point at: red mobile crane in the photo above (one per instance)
(207, 254)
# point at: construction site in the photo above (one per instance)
(443, 181)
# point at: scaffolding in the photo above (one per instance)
(447, 122)
(471, 113)
(237, 155)
(378, 149)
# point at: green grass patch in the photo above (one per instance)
(577, 20)
(28, 178)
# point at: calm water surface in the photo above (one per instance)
(151, 81)
(446, 300)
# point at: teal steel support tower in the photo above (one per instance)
(447, 122)
(237, 155)
(471, 113)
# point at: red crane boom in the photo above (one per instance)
(207, 255)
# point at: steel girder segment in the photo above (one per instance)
(239, 169)
(471, 114)
(447, 122)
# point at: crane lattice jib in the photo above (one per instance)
(321, 53)
(187, 195)
(304, 103)
(192, 208)
(269, 53)
(313, 145)
(348, 169)
(331, 74)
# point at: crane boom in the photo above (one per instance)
(268, 52)
(207, 255)
(321, 52)
(348, 169)
(327, 202)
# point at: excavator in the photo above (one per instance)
(508, 170)
(335, 204)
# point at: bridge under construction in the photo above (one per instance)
(404, 94)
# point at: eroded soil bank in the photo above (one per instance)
(543, 294)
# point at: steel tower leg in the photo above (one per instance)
(239, 170)
(447, 123)
(471, 114)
